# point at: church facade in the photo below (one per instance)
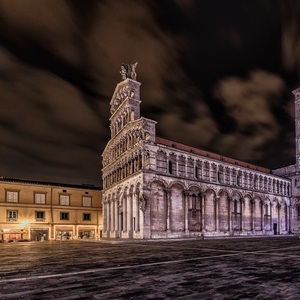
(157, 188)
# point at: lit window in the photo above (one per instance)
(40, 215)
(64, 199)
(87, 201)
(86, 217)
(39, 198)
(64, 216)
(12, 196)
(12, 215)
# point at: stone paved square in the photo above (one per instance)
(233, 268)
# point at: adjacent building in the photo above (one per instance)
(158, 188)
(37, 211)
(292, 172)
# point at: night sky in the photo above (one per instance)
(215, 74)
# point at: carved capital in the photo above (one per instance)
(168, 191)
(186, 193)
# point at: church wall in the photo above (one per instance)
(155, 188)
(177, 209)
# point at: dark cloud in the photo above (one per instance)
(221, 72)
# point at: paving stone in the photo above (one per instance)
(249, 268)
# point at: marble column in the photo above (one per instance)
(262, 217)
(288, 215)
(229, 214)
(125, 212)
(168, 199)
(186, 210)
(137, 211)
(203, 211)
(279, 221)
(216, 200)
(113, 214)
(271, 215)
(117, 221)
(252, 203)
(242, 203)
(129, 214)
(104, 207)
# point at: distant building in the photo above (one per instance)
(157, 188)
(37, 211)
(292, 172)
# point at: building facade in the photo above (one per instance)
(292, 172)
(40, 211)
(157, 188)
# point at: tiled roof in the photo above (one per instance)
(81, 186)
(212, 155)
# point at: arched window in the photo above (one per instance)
(190, 167)
(255, 182)
(198, 170)
(267, 209)
(170, 167)
(233, 177)
(194, 205)
(206, 171)
(235, 206)
(221, 174)
(161, 162)
(239, 178)
(214, 172)
(181, 166)
(227, 176)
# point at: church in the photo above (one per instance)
(154, 188)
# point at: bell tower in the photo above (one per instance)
(124, 156)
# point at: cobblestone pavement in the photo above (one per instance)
(239, 268)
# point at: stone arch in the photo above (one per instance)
(296, 216)
(194, 187)
(209, 209)
(223, 210)
(248, 212)
(194, 205)
(158, 205)
(176, 208)
(257, 213)
(268, 213)
(177, 183)
(283, 212)
(159, 181)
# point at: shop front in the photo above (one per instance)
(39, 234)
(64, 233)
(86, 232)
(13, 234)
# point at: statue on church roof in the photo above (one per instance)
(128, 71)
